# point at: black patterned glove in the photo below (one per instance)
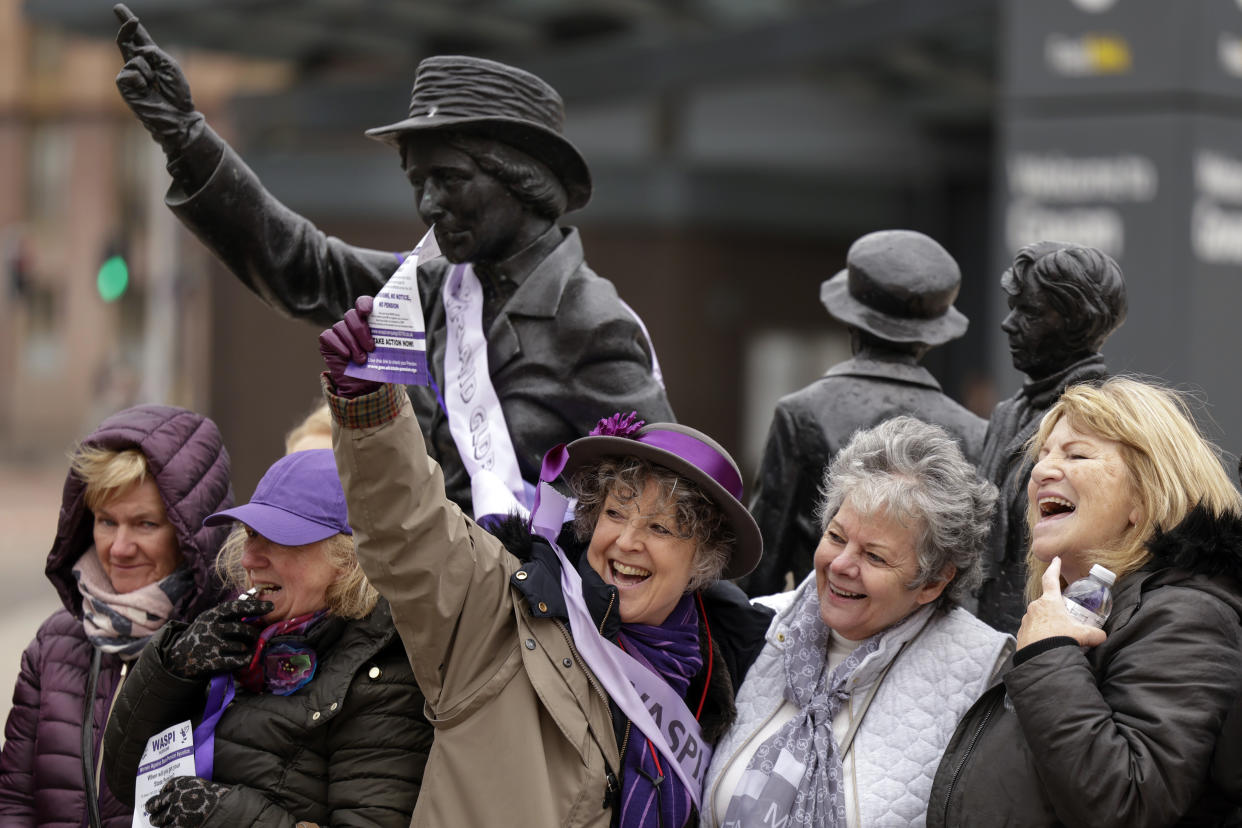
(184, 802)
(219, 640)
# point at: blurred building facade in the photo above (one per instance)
(737, 146)
(83, 186)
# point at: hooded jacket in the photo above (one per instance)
(524, 733)
(44, 780)
(1122, 734)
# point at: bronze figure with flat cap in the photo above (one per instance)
(895, 296)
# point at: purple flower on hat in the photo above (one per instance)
(618, 425)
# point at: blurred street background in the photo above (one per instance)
(30, 492)
(738, 147)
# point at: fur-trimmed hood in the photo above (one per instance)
(1203, 542)
(1204, 551)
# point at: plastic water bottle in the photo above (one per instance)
(1090, 599)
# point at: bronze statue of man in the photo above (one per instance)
(492, 173)
(1064, 301)
(895, 295)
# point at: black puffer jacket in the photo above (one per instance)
(1227, 763)
(1122, 734)
(349, 748)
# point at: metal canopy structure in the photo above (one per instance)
(588, 48)
(930, 64)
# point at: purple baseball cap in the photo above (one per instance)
(298, 501)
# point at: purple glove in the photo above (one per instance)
(154, 86)
(349, 339)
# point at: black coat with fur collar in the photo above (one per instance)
(737, 627)
(1124, 733)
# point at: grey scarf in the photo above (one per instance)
(797, 772)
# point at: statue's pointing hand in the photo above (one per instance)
(153, 85)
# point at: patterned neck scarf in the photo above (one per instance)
(796, 774)
(122, 622)
(671, 651)
(285, 666)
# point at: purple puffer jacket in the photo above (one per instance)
(43, 780)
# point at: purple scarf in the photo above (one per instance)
(671, 651)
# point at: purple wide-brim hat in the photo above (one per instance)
(484, 97)
(298, 501)
(693, 455)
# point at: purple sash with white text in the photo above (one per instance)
(657, 710)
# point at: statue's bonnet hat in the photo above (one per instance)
(479, 96)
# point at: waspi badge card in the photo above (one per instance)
(168, 753)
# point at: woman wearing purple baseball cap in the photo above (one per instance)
(576, 675)
(307, 685)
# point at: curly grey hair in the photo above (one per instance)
(916, 473)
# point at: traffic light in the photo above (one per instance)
(113, 278)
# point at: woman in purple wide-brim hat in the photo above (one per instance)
(578, 671)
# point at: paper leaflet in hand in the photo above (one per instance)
(168, 753)
(396, 324)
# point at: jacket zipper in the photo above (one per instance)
(599, 691)
(625, 740)
(116, 694)
(611, 777)
(611, 601)
(91, 817)
(948, 797)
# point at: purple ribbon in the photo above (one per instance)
(703, 456)
(554, 462)
(700, 454)
(219, 694)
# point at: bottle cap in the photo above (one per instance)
(1104, 574)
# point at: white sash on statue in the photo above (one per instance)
(642, 326)
(475, 418)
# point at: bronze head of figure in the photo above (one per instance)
(484, 150)
(1064, 302)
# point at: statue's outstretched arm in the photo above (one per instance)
(278, 254)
